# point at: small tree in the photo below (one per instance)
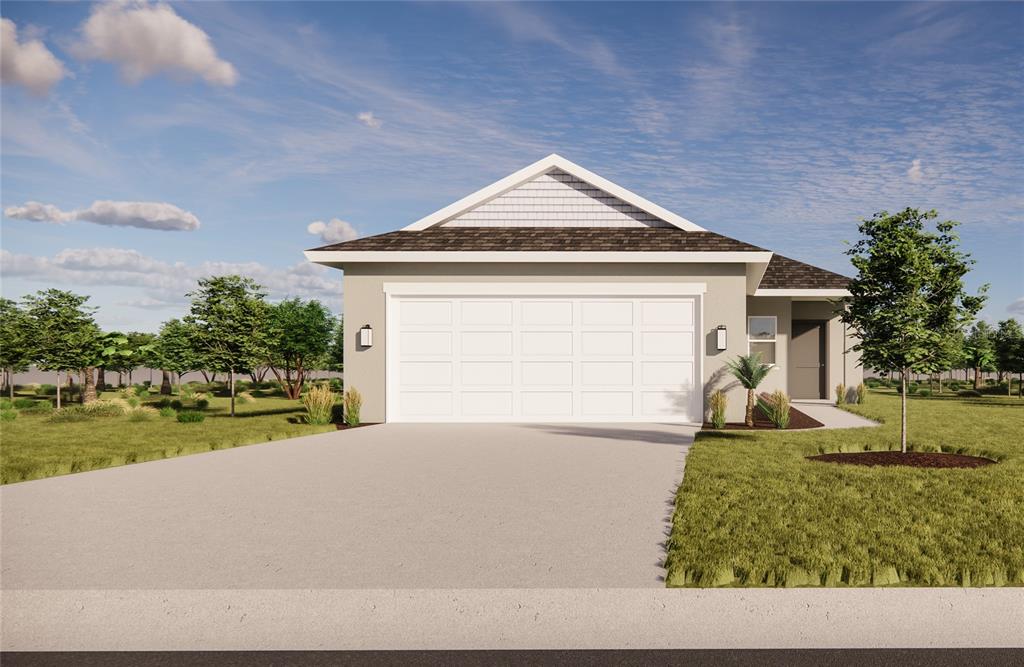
(229, 317)
(299, 337)
(17, 341)
(175, 348)
(908, 294)
(980, 350)
(335, 360)
(1009, 352)
(64, 329)
(750, 372)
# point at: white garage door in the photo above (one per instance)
(543, 359)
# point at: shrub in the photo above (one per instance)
(776, 407)
(202, 404)
(6, 404)
(176, 405)
(25, 403)
(840, 394)
(353, 403)
(319, 404)
(141, 392)
(336, 385)
(862, 393)
(8, 415)
(133, 401)
(190, 417)
(719, 401)
(141, 415)
(74, 413)
(163, 403)
(970, 393)
(40, 406)
(924, 392)
(244, 397)
(46, 390)
(168, 411)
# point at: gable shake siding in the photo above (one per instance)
(556, 199)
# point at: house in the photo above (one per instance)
(557, 295)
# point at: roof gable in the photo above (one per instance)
(609, 204)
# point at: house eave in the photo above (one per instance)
(804, 293)
(338, 258)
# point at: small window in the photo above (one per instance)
(761, 332)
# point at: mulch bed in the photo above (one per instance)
(797, 420)
(912, 459)
(346, 427)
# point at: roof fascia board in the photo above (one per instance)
(553, 161)
(337, 257)
(544, 289)
(821, 293)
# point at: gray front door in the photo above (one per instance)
(807, 360)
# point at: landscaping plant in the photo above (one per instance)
(840, 394)
(776, 407)
(190, 417)
(319, 403)
(908, 295)
(353, 403)
(718, 402)
(862, 393)
(750, 373)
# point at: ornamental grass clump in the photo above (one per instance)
(840, 394)
(319, 404)
(190, 417)
(862, 393)
(719, 402)
(353, 403)
(776, 407)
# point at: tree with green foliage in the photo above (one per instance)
(230, 322)
(908, 295)
(175, 349)
(750, 372)
(65, 331)
(1009, 353)
(105, 350)
(335, 358)
(299, 337)
(16, 341)
(980, 350)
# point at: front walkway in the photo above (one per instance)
(831, 416)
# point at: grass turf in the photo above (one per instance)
(752, 511)
(32, 446)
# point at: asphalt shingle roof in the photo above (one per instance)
(786, 273)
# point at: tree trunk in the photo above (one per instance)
(10, 383)
(101, 379)
(903, 412)
(1020, 385)
(977, 378)
(165, 384)
(88, 387)
(940, 383)
(231, 380)
(58, 390)
(750, 408)
(179, 384)
(206, 378)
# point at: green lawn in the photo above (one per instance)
(752, 511)
(33, 446)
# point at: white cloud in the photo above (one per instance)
(145, 215)
(162, 281)
(335, 231)
(369, 120)
(147, 39)
(27, 63)
(915, 173)
(1016, 307)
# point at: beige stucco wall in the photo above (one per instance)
(843, 364)
(781, 308)
(723, 303)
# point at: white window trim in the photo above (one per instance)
(774, 340)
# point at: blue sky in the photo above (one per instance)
(778, 124)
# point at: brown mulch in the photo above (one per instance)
(797, 420)
(912, 459)
(346, 427)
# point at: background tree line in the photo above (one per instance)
(230, 329)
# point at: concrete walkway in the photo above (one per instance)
(389, 506)
(831, 416)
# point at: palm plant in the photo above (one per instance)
(750, 372)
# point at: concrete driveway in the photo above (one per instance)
(389, 506)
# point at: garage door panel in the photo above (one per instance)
(546, 373)
(486, 373)
(486, 343)
(607, 343)
(547, 343)
(544, 359)
(426, 373)
(547, 404)
(426, 343)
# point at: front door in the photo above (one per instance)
(807, 360)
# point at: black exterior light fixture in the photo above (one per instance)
(721, 338)
(366, 336)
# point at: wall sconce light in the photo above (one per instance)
(722, 338)
(366, 336)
